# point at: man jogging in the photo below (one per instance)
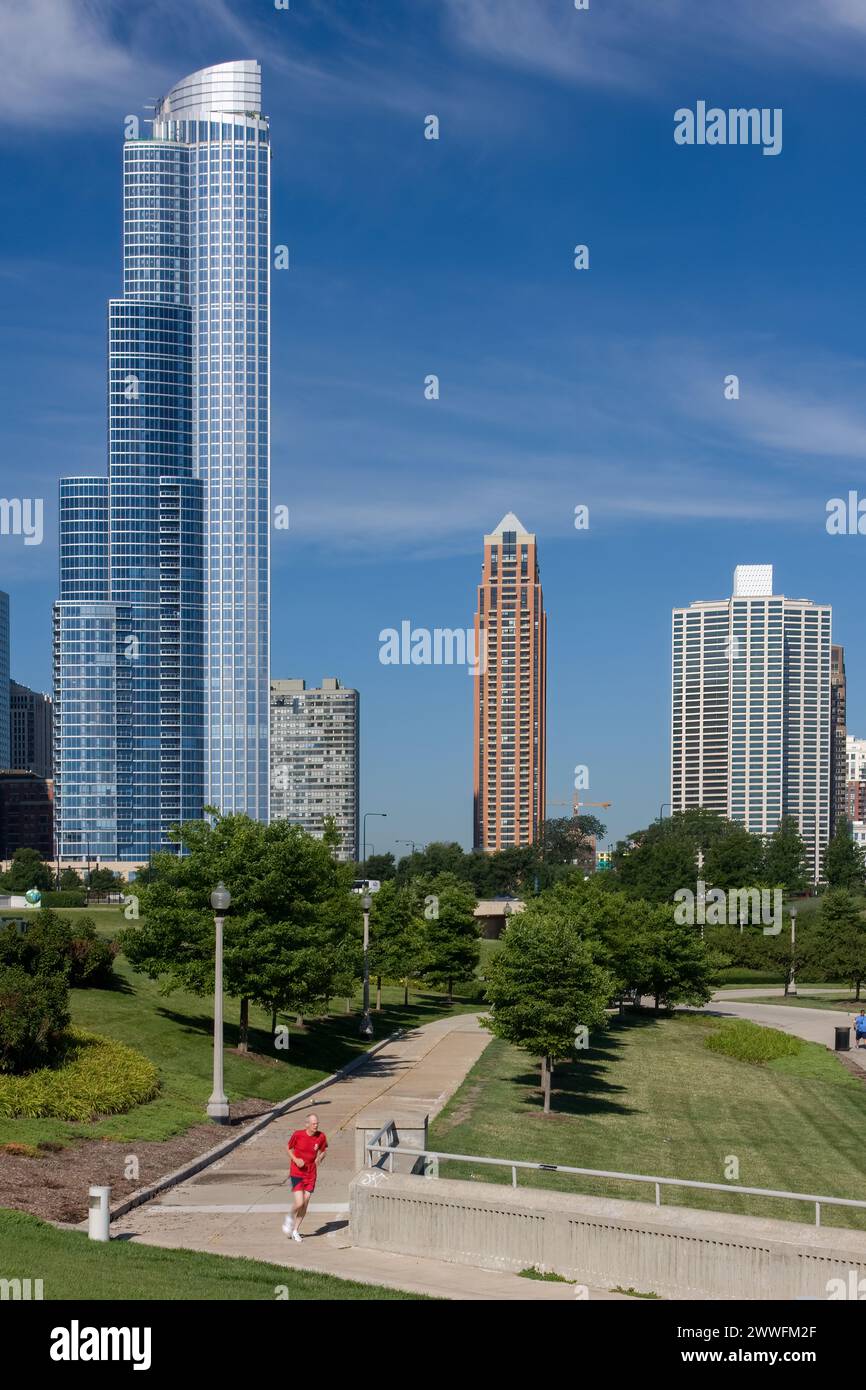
(306, 1150)
(860, 1028)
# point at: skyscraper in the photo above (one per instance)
(315, 757)
(750, 726)
(838, 733)
(161, 629)
(5, 751)
(30, 730)
(510, 691)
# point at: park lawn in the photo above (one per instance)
(73, 1267)
(650, 1098)
(176, 1032)
(843, 999)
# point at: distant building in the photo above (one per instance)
(492, 914)
(510, 691)
(5, 751)
(26, 813)
(751, 709)
(838, 737)
(30, 730)
(315, 758)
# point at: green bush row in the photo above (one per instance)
(749, 1042)
(96, 1076)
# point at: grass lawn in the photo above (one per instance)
(74, 1267)
(175, 1031)
(651, 1098)
(842, 999)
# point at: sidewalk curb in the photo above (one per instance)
(144, 1194)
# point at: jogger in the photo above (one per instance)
(307, 1148)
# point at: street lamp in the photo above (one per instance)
(406, 842)
(792, 983)
(366, 1029)
(364, 835)
(218, 1105)
(662, 809)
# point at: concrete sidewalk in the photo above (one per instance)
(236, 1206)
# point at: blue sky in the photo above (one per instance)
(454, 257)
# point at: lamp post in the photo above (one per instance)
(364, 835)
(662, 809)
(406, 842)
(366, 1029)
(792, 983)
(218, 1105)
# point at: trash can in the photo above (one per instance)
(843, 1039)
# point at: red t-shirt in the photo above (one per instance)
(306, 1146)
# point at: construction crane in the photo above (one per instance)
(576, 804)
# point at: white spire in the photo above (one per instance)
(510, 523)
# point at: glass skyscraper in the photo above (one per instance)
(5, 749)
(751, 709)
(162, 626)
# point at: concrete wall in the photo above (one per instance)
(411, 1123)
(672, 1251)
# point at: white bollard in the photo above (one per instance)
(99, 1215)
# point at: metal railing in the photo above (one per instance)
(432, 1171)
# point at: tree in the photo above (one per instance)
(70, 879)
(571, 840)
(380, 867)
(397, 937)
(785, 863)
(104, 881)
(27, 871)
(653, 954)
(842, 860)
(451, 947)
(656, 867)
(293, 930)
(841, 936)
(544, 985)
(734, 860)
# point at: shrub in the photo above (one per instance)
(34, 1015)
(65, 898)
(96, 1076)
(750, 1042)
(92, 958)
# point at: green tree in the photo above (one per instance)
(451, 949)
(27, 871)
(655, 955)
(735, 860)
(291, 934)
(656, 867)
(70, 879)
(841, 936)
(842, 860)
(397, 937)
(381, 867)
(544, 985)
(785, 863)
(104, 881)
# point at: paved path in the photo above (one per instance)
(815, 1025)
(236, 1206)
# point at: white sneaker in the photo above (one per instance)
(288, 1226)
(296, 1235)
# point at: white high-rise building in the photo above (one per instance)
(314, 758)
(750, 726)
(855, 755)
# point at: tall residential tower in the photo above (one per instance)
(751, 725)
(315, 758)
(161, 629)
(510, 691)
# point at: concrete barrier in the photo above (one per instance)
(411, 1126)
(676, 1252)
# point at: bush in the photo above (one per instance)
(65, 898)
(34, 1015)
(96, 1076)
(749, 1042)
(92, 958)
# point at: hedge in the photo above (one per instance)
(97, 1076)
(69, 897)
(750, 1042)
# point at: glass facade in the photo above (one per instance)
(5, 750)
(161, 629)
(750, 729)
